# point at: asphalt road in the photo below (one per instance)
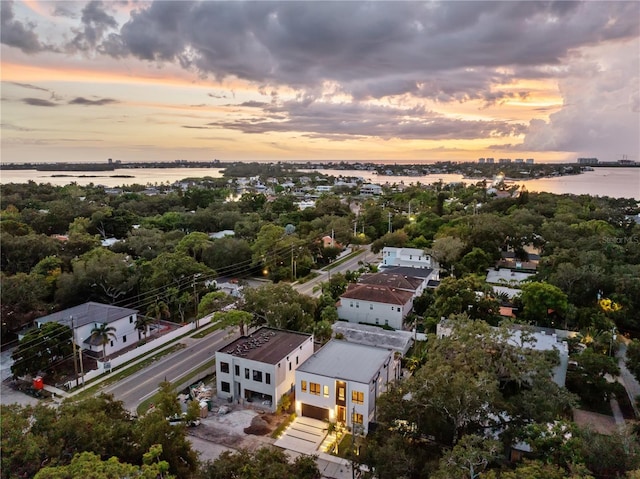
(142, 384)
(351, 264)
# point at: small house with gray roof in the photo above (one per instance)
(342, 381)
(82, 319)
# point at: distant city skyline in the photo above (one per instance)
(319, 81)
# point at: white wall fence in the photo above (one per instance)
(106, 366)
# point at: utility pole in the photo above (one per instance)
(73, 342)
(389, 221)
(81, 367)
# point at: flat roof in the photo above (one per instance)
(374, 336)
(87, 313)
(409, 271)
(266, 345)
(347, 361)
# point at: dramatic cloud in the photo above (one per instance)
(15, 33)
(95, 23)
(341, 121)
(530, 76)
(84, 101)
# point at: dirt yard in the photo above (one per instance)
(240, 428)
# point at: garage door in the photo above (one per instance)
(315, 412)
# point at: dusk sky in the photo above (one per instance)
(332, 80)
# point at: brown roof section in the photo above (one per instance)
(266, 345)
(378, 294)
(398, 281)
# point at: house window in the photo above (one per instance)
(351, 305)
(296, 359)
(267, 378)
(237, 370)
(357, 418)
(130, 319)
(257, 376)
(124, 338)
(326, 391)
(371, 306)
(289, 366)
(111, 343)
(341, 393)
(225, 386)
(224, 367)
(314, 388)
(357, 397)
(246, 373)
(357, 305)
(303, 386)
(386, 322)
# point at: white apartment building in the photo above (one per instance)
(411, 257)
(342, 381)
(82, 319)
(260, 367)
(372, 304)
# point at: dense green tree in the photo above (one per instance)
(541, 303)
(265, 463)
(194, 244)
(589, 378)
(40, 348)
(234, 318)
(88, 464)
(213, 301)
(468, 458)
(228, 256)
(280, 306)
(171, 269)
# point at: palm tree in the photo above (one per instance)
(159, 310)
(142, 325)
(103, 334)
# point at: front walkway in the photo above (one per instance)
(305, 436)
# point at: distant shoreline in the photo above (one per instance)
(93, 166)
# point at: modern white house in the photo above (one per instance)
(411, 257)
(342, 381)
(82, 319)
(260, 367)
(372, 304)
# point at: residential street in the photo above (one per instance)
(139, 386)
(351, 264)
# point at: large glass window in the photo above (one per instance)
(224, 367)
(225, 386)
(357, 418)
(357, 397)
(257, 376)
(267, 378)
(314, 388)
(326, 391)
(303, 386)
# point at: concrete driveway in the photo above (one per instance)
(303, 435)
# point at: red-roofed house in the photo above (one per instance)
(375, 304)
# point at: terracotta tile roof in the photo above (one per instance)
(378, 294)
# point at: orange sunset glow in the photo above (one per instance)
(85, 81)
